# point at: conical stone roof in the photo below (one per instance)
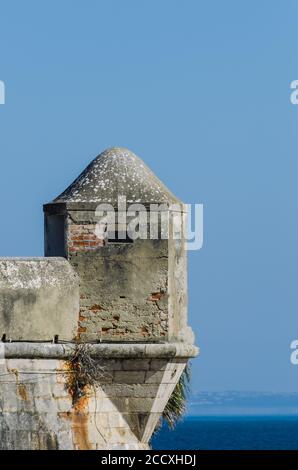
(117, 172)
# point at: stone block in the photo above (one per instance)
(159, 364)
(129, 377)
(136, 364)
(140, 405)
(155, 377)
(130, 390)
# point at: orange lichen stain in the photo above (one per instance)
(64, 372)
(82, 403)
(80, 419)
(22, 392)
(79, 415)
(82, 329)
(64, 414)
(80, 433)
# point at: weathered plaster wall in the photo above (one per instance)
(39, 298)
(37, 410)
(178, 280)
(123, 287)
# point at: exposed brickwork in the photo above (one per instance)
(82, 238)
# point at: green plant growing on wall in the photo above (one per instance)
(176, 405)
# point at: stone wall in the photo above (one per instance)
(123, 292)
(37, 409)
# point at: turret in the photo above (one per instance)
(117, 225)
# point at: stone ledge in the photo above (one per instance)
(61, 208)
(25, 350)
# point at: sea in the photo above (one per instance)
(230, 433)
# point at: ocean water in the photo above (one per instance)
(230, 433)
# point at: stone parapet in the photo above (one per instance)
(39, 299)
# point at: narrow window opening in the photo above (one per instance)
(119, 237)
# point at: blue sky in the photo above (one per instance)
(200, 90)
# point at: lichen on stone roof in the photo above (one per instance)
(117, 172)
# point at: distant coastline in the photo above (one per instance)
(234, 403)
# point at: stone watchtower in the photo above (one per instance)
(115, 240)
